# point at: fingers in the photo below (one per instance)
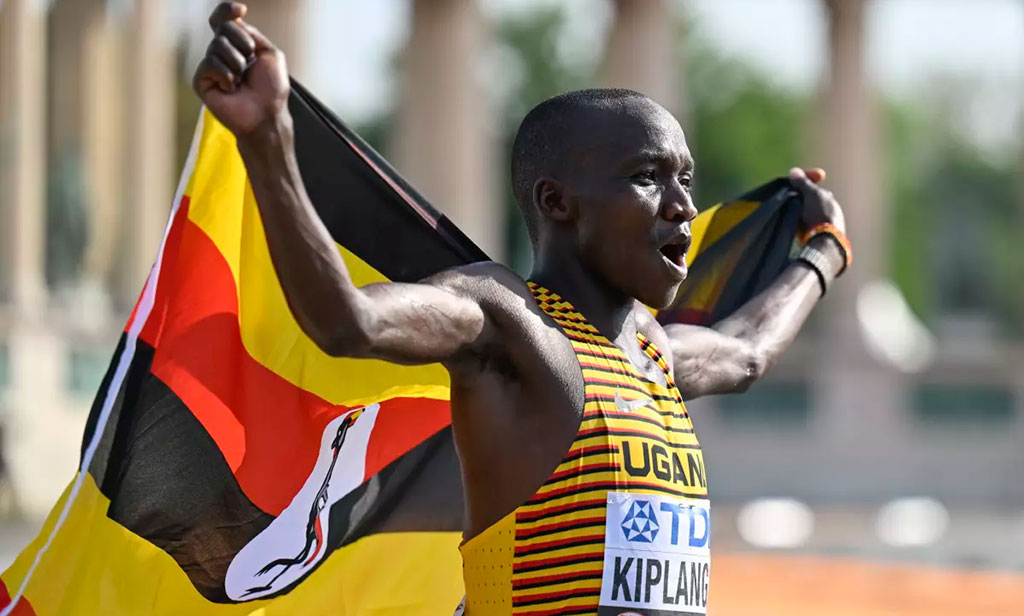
(213, 70)
(799, 180)
(235, 47)
(229, 56)
(807, 182)
(225, 12)
(239, 38)
(819, 204)
(261, 41)
(815, 174)
(226, 19)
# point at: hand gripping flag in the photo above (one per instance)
(230, 467)
(739, 248)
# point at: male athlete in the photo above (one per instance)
(585, 486)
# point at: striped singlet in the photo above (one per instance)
(622, 524)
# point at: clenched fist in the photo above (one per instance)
(242, 79)
(820, 205)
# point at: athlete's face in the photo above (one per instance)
(631, 188)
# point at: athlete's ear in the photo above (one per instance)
(550, 199)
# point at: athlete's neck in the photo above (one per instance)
(607, 309)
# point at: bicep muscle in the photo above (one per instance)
(417, 323)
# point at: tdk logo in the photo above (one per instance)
(640, 523)
(644, 519)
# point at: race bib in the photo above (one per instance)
(657, 556)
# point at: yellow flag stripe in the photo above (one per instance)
(96, 566)
(223, 206)
(714, 222)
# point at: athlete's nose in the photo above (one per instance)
(678, 205)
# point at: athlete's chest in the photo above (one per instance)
(641, 363)
(627, 505)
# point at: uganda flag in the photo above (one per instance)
(229, 466)
(739, 248)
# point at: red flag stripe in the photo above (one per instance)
(268, 429)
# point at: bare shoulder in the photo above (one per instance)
(518, 327)
(486, 281)
(501, 293)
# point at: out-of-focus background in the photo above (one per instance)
(878, 469)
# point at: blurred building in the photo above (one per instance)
(858, 411)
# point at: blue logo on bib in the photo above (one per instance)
(640, 523)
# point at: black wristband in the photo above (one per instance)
(819, 262)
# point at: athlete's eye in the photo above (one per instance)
(647, 175)
(687, 181)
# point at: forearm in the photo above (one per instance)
(769, 322)
(243, 81)
(735, 352)
(316, 283)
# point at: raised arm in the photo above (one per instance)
(243, 81)
(736, 351)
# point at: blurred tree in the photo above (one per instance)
(67, 224)
(527, 46)
(528, 43)
(953, 205)
(954, 212)
(904, 136)
(743, 129)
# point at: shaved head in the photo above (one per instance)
(555, 131)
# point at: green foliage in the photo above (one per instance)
(955, 220)
(954, 209)
(530, 43)
(67, 222)
(906, 157)
(743, 130)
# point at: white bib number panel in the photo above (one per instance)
(657, 556)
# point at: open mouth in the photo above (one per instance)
(675, 251)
